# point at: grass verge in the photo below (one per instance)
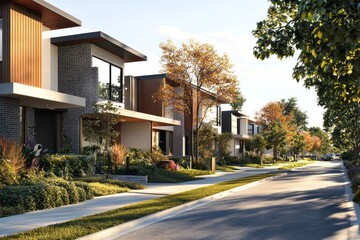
(226, 168)
(91, 224)
(167, 176)
(293, 165)
(103, 189)
(196, 172)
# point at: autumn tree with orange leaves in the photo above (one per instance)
(277, 127)
(199, 79)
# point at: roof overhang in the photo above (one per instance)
(51, 16)
(103, 41)
(133, 116)
(39, 97)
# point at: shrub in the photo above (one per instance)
(32, 176)
(157, 155)
(182, 161)
(353, 170)
(12, 152)
(347, 155)
(355, 182)
(81, 193)
(356, 197)
(120, 183)
(167, 164)
(26, 198)
(85, 186)
(118, 153)
(8, 175)
(195, 172)
(73, 195)
(101, 189)
(66, 166)
(166, 176)
(139, 169)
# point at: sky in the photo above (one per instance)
(226, 24)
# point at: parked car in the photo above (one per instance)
(336, 157)
(328, 157)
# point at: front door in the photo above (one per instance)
(48, 129)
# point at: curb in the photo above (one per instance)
(353, 219)
(128, 227)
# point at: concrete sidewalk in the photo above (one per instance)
(18, 223)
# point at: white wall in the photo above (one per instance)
(136, 135)
(49, 62)
(243, 126)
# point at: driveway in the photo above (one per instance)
(309, 203)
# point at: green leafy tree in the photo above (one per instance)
(297, 144)
(275, 136)
(344, 124)
(325, 141)
(98, 128)
(326, 35)
(290, 106)
(257, 144)
(238, 103)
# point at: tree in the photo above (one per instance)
(290, 106)
(257, 144)
(200, 79)
(98, 128)
(326, 34)
(324, 145)
(276, 126)
(238, 103)
(344, 124)
(297, 144)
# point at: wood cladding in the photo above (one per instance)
(22, 45)
(146, 104)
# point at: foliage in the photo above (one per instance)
(290, 107)
(196, 172)
(167, 164)
(257, 143)
(102, 189)
(238, 103)
(118, 154)
(66, 166)
(277, 127)
(95, 223)
(326, 34)
(290, 166)
(33, 197)
(325, 142)
(157, 155)
(343, 122)
(8, 175)
(207, 136)
(119, 183)
(98, 128)
(137, 169)
(356, 197)
(166, 176)
(355, 182)
(198, 78)
(11, 152)
(298, 144)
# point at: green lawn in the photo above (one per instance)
(292, 165)
(91, 224)
(226, 168)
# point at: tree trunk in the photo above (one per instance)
(275, 154)
(356, 153)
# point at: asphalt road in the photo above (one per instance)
(306, 204)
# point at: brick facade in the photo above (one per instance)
(77, 77)
(10, 118)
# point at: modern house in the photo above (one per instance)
(241, 127)
(173, 140)
(49, 86)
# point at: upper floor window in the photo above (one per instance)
(1, 45)
(110, 80)
(251, 129)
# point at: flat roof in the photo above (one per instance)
(39, 97)
(51, 16)
(103, 41)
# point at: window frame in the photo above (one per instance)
(111, 65)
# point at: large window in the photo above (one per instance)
(110, 80)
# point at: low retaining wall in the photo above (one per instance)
(131, 178)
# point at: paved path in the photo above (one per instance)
(309, 203)
(31, 220)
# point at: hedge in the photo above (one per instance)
(66, 166)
